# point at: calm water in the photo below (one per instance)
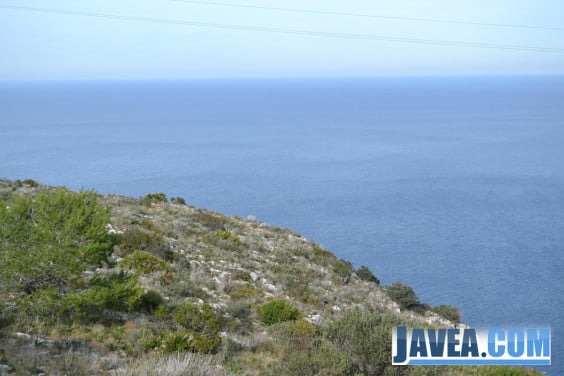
(455, 186)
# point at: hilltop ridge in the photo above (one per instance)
(170, 278)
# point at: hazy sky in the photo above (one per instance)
(54, 46)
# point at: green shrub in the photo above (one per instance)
(243, 293)
(319, 358)
(178, 201)
(148, 225)
(448, 312)
(151, 300)
(342, 268)
(226, 235)
(162, 312)
(300, 291)
(320, 252)
(153, 198)
(187, 340)
(366, 274)
(278, 310)
(366, 338)
(300, 329)
(117, 292)
(32, 183)
(202, 319)
(212, 222)
(201, 330)
(151, 242)
(145, 263)
(324, 257)
(50, 239)
(45, 304)
(403, 295)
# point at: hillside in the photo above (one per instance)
(112, 285)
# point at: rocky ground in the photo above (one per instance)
(192, 257)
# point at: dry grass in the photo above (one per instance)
(182, 364)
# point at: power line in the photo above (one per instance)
(288, 31)
(312, 11)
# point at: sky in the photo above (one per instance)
(45, 46)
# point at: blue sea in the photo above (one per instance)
(453, 185)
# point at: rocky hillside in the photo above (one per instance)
(106, 284)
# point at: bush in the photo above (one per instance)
(145, 263)
(203, 320)
(366, 338)
(153, 198)
(366, 274)
(151, 300)
(300, 329)
(187, 340)
(161, 312)
(43, 303)
(448, 312)
(178, 201)
(117, 292)
(319, 358)
(320, 252)
(403, 295)
(211, 221)
(50, 239)
(32, 183)
(278, 310)
(243, 293)
(226, 235)
(342, 268)
(151, 242)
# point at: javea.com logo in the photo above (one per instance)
(495, 346)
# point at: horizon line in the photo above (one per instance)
(281, 77)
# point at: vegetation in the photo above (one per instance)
(278, 310)
(32, 183)
(178, 200)
(366, 274)
(144, 263)
(103, 285)
(226, 235)
(151, 241)
(403, 295)
(448, 312)
(50, 239)
(153, 198)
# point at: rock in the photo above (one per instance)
(44, 342)
(23, 336)
(111, 230)
(5, 369)
(254, 276)
(314, 319)
(251, 217)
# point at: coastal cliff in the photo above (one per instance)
(114, 285)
